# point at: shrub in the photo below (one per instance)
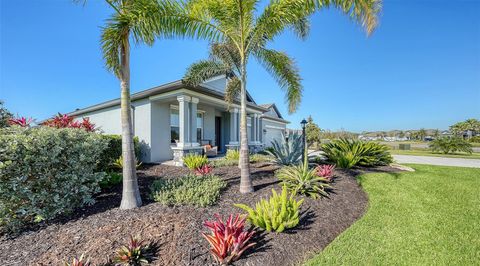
(114, 151)
(346, 153)
(82, 261)
(111, 180)
(46, 172)
(232, 155)
(449, 145)
(325, 171)
(204, 170)
(475, 139)
(287, 152)
(228, 240)
(194, 161)
(222, 162)
(20, 121)
(278, 213)
(193, 190)
(118, 163)
(260, 158)
(299, 179)
(136, 252)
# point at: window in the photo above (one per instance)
(175, 126)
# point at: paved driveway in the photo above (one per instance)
(437, 160)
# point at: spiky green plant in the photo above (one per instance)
(195, 161)
(448, 145)
(287, 152)
(118, 163)
(232, 155)
(347, 153)
(302, 180)
(278, 213)
(239, 31)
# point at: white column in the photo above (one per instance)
(252, 128)
(193, 122)
(233, 126)
(183, 123)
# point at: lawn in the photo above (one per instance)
(474, 155)
(427, 217)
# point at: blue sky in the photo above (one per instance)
(421, 68)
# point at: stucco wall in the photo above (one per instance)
(208, 122)
(160, 121)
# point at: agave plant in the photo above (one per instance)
(302, 180)
(228, 240)
(288, 151)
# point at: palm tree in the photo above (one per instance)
(137, 20)
(241, 35)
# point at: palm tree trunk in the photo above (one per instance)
(130, 193)
(245, 180)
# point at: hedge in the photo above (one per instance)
(46, 172)
(114, 151)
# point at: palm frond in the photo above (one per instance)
(202, 70)
(364, 12)
(113, 35)
(232, 91)
(283, 69)
(227, 53)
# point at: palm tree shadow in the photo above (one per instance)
(307, 217)
(261, 245)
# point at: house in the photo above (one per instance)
(174, 119)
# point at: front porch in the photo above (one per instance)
(197, 120)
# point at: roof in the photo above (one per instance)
(272, 105)
(175, 85)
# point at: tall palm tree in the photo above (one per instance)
(234, 24)
(136, 20)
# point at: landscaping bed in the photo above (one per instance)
(100, 229)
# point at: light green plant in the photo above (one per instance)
(223, 162)
(46, 172)
(118, 163)
(232, 155)
(449, 145)
(194, 161)
(302, 180)
(188, 190)
(260, 158)
(278, 213)
(347, 153)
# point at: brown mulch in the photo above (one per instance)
(100, 229)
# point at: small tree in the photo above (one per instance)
(313, 132)
(472, 125)
(5, 115)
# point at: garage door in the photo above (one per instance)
(272, 134)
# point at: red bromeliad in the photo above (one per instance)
(326, 171)
(204, 170)
(67, 121)
(228, 240)
(20, 121)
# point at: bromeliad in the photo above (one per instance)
(228, 240)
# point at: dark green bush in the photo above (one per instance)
(114, 151)
(46, 172)
(112, 179)
(448, 145)
(347, 153)
(191, 190)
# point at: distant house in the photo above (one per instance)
(173, 119)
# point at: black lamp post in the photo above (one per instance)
(303, 123)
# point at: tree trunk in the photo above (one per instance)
(130, 193)
(245, 180)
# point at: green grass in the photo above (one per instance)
(427, 217)
(474, 155)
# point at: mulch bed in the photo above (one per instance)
(100, 229)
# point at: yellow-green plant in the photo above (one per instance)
(118, 163)
(278, 213)
(232, 155)
(195, 161)
(302, 180)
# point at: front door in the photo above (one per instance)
(218, 136)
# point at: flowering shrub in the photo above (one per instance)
(204, 170)
(46, 172)
(136, 252)
(325, 171)
(228, 240)
(20, 121)
(67, 121)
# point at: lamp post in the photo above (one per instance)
(303, 123)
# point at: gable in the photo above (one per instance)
(219, 84)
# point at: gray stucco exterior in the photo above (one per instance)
(152, 109)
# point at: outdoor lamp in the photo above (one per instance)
(303, 123)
